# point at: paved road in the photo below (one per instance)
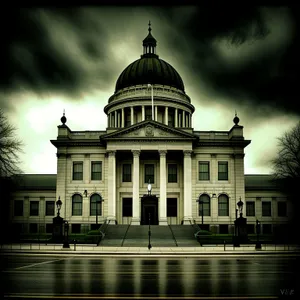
(93, 277)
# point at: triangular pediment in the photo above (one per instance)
(149, 130)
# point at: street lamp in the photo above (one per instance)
(149, 188)
(149, 234)
(258, 244)
(58, 205)
(240, 205)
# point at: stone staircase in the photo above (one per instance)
(184, 235)
(114, 235)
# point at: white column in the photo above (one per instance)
(136, 188)
(176, 117)
(187, 193)
(166, 115)
(163, 189)
(183, 119)
(116, 119)
(123, 118)
(131, 115)
(112, 186)
(155, 115)
(143, 112)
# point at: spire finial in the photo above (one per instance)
(63, 118)
(236, 119)
(149, 24)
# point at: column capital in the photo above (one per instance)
(111, 152)
(187, 152)
(136, 152)
(162, 152)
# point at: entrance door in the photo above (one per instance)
(149, 209)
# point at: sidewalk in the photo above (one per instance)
(130, 251)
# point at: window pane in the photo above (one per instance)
(76, 205)
(34, 208)
(203, 170)
(223, 205)
(266, 208)
(172, 173)
(77, 170)
(126, 173)
(95, 205)
(205, 205)
(50, 208)
(149, 173)
(250, 208)
(171, 207)
(96, 170)
(222, 170)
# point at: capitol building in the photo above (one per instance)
(149, 165)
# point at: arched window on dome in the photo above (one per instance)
(204, 201)
(95, 205)
(76, 205)
(223, 205)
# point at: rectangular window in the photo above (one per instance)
(18, 208)
(281, 207)
(127, 114)
(250, 208)
(149, 173)
(203, 170)
(266, 208)
(34, 208)
(33, 228)
(127, 207)
(50, 208)
(172, 173)
(96, 170)
(171, 207)
(76, 228)
(77, 170)
(126, 173)
(223, 170)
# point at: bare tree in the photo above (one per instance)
(10, 147)
(286, 164)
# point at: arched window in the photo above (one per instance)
(223, 205)
(76, 205)
(204, 201)
(96, 205)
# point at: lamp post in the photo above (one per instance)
(66, 234)
(149, 235)
(258, 244)
(240, 205)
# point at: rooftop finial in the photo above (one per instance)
(236, 119)
(149, 24)
(63, 118)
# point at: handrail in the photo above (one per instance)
(173, 235)
(102, 230)
(124, 238)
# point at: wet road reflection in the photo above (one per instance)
(137, 277)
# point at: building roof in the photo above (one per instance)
(36, 181)
(48, 182)
(260, 182)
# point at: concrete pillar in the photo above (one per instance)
(131, 115)
(155, 113)
(176, 117)
(123, 118)
(136, 188)
(143, 112)
(112, 186)
(166, 115)
(116, 119)
(187, 188)
(163, 189)
(183, 119)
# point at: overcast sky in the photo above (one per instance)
(230, 58)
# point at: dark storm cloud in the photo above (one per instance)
(268, 78)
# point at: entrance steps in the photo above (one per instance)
(138, 236)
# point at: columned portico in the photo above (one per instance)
(135, 188)
(187, 192)
(112, 186)
(163, 191)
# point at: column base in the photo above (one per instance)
(163, 221)
(135, 221)
(187, 221)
